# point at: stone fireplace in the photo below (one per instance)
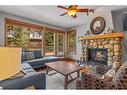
(105, 49)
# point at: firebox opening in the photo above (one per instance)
(98, 55)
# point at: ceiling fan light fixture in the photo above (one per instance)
(74, 9)
(72, 12)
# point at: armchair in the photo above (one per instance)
(91, 81)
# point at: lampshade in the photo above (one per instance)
(10, 61)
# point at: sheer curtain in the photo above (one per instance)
(118, 27)
(124, 48)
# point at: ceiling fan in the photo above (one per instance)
(73, 9)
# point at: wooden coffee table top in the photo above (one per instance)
(64, 67)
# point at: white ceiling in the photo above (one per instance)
(48, 14)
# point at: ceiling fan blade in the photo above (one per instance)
(70, 6)
(62, 7)
(63, 14)
(82, 10)
(92, 10)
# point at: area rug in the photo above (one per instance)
(55, 80)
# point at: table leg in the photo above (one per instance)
(47, 70)
(70, 76)
(66, 82)
(78, 73)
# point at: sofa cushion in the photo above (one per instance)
(26, 68)
(38, 54)
(101, 69)
(43, 59)
(30, 55)
(36, 63)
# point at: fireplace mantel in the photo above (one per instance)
(111, 42)
(113, 35)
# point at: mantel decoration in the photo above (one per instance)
(97, 25)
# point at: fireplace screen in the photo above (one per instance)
(98, 55)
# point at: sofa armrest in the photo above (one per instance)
(91, 81)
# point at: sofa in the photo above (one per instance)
(36, 60)
(30, 78)
(92, 81)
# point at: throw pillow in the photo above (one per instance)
(38, 54)
(120, 75)
(27, 69)
(30, 55)
(24, 58)
(109, 75)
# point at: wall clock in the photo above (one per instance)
(97, 25)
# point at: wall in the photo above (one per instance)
(103, 12)
(2, 24)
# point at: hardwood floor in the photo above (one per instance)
(71, 61)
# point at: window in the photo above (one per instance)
(49, 43)
(60, 44)
(71, 35)
(22, 34)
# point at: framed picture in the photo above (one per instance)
(97, 25)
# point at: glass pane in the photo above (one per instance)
(60, 40)
(15, 39)
(72, 42)
(49, 43)
(60, 45)
(60, 51)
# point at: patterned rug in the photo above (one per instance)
(55, 80)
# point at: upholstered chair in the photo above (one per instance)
(91, 81)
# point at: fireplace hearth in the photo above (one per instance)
(98, 55)
(105, 49)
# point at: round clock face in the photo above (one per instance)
(97, 25)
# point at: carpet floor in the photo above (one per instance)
(55, 80)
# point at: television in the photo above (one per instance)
(10, 62)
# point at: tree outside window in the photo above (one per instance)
(49, 43)
(72, 41)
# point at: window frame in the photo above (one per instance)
(68, 34)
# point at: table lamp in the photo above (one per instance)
(10, 62)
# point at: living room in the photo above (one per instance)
(57, 51)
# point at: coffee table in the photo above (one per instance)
(65, 69)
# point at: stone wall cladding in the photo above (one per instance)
(113, 45)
